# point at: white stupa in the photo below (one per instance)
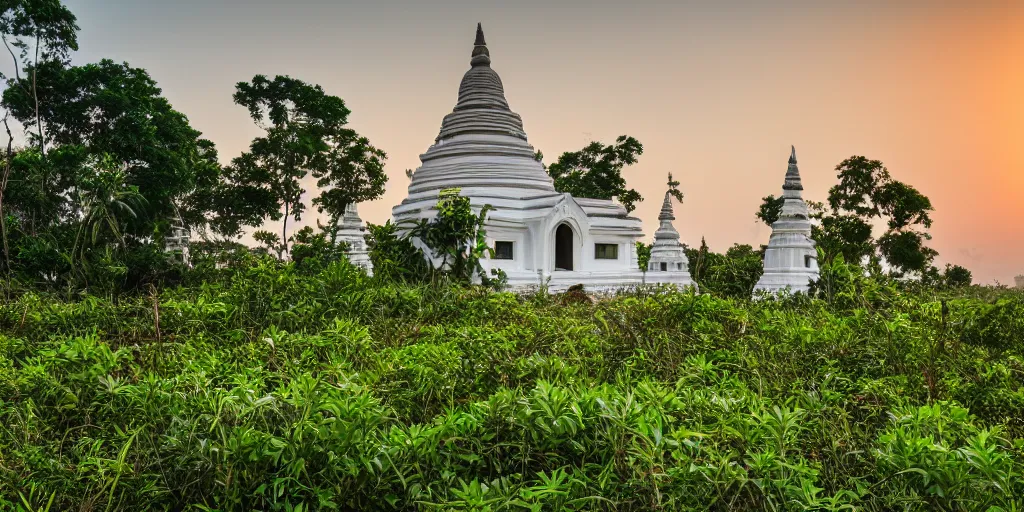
(176, 243)
(668, 262)
(1019, 281)
(353, 233)
(539, 235)
(791, 260)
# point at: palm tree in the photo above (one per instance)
(106, 202)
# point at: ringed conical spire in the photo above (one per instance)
(481, 143)
(666, 208)
(481, 107)
(667, 253)
(792, 173)
(790, 260)
(481, 56)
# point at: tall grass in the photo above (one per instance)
(270, 389)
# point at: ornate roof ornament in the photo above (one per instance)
(792, 173)
(481, 57)
(666, 208)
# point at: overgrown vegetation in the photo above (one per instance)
(269, 387)
(283, 378)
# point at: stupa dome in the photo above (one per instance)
(539, 236)
(482, 107)
(481, 147)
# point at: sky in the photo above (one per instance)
(716, 92)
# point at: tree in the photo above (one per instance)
(866, 191)
(643, 255)
(107, 203)
(770, 210)
(673, 189)
(733, 274)
(42, 31)
(305, 135)
(956, 276)
(596, 171)
(106, 124)
(117, 111)
(394, 256)
(455, 236)
(841, 234)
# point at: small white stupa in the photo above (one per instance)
(176, 243)
(1019, 280)
(539, 235)
(668, 263)
(353, 233)
(791, 260)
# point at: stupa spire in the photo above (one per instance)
(790, 260)
(666, 208)
(667, 254)
(792, 173)
(481, 57)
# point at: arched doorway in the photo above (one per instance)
(563, 247)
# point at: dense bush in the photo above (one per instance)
(271, 388)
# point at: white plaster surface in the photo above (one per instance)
(482, 150)
(353, 233)
(791, 260)
(669, 251)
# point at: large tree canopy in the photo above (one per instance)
(305, 135)
(40, 31)
(117, 111)
(865, 192)
(596, 171)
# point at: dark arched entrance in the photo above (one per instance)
(563, 247)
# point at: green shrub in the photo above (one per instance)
(275, 387)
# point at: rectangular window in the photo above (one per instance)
(606, 251)
(664, 266)
(807, 261)
(503, 250)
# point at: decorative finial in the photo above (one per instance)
(480, 35)
(672, 184)
(792, 173)
(666, 208)
(481, 57)
(673, 189)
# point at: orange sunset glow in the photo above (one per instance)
(716, 92)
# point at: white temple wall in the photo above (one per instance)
(521, 254)
(795, 255)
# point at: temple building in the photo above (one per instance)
(791, 259)
(667, 254)
(540, 236)
(1019, 281)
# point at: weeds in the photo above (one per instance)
(270, 389)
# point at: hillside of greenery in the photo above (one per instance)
(267, 386)
(138, 375)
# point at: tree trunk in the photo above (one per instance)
(35, 97)
(284, 232)
(3, 189)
